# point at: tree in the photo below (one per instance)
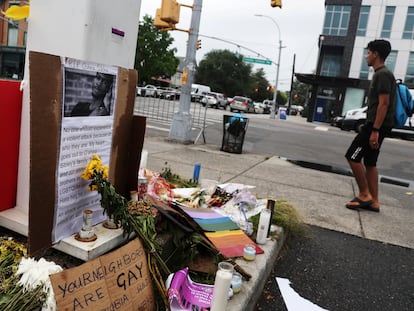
(261, 89)
(225, 72)
(153, 56)
(299, 93)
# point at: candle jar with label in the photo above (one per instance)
(249, 252)
(236, 282)
(222, 284)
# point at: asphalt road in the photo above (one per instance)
(296, 139)
(341, 272)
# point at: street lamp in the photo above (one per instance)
(273, 111)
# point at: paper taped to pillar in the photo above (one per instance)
(66, 128)
(119, 280)
(89, 97)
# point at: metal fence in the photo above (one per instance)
(162, 110)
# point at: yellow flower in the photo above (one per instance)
(92, 188)
(94, 166)
(105, 172)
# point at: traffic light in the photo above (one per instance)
(276, 3)
(170, 11)
(159, 23)
(198, 45)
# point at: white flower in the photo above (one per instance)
(35, 273)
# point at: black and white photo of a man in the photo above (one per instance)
(101, 85)
(88, 95)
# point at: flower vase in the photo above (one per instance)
(109, 223)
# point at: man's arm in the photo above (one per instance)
(383, 103)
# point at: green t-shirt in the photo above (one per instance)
(383, 82)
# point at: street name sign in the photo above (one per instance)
(257, 61)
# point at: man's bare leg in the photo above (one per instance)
(372, 179)
(360, 175)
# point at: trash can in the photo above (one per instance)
(234, 129)
(282, 113)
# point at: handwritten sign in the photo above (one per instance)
(119, 280)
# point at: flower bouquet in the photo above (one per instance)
(111, 201)
(24, 282)
(131, 216)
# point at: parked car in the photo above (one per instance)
(229, 99)
(293, 110)
(147, 91)
(169, 93)
(337, 121)
(261, 108)
(269, 104)
(354, 119)
(222, 100)
(214, 99)
(241, 104)
(210, 100)
(198, 91)
(296, 109)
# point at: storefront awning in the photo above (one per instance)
(330, 81)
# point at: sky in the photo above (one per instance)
(300, 24)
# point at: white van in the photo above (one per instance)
(198, 91)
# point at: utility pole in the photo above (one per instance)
(273, 108)
(291, 83)
(182, 122)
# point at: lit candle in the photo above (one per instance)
(87, 220)
(236, 282)
(263, 227)
(249, 252)
(222, 283)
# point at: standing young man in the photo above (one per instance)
(380, 120)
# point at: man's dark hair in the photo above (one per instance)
(106, 76)
(383, 47)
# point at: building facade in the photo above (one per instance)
(342, 76)
(12, 43)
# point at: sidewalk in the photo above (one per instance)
(318, 196)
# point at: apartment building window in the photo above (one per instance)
(331, 65)
(363, 20)
(391, 60)
(336, 20)
(409, 76)
(13, 32)
(408, 32)
(363, 74)
(388, 19)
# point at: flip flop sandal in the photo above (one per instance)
(361, 204)
(370, 208)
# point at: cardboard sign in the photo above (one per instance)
(119, 280)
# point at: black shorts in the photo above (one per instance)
(360, 148)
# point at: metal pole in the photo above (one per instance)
(291, 83)
(273, 109)
(181, 126)
(273, 112)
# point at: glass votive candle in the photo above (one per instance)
(249, 252)
(236, 282)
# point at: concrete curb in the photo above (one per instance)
(347, 172)
(260, 270)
